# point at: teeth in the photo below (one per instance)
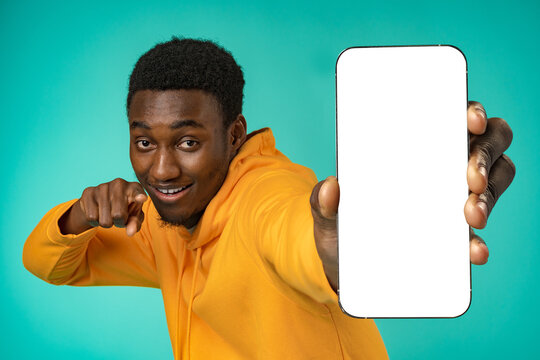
(171, 191)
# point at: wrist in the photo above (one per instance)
(73, 220)
(331, 273)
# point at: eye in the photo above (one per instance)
(188, 145)
(143, 144)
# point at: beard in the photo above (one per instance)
(165, 222)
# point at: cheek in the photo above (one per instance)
(138, 163)
(217, 175)
(209, 170)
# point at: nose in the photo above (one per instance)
(165, 166)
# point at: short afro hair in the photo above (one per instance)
(191, 64)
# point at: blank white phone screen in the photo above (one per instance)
(402, 153)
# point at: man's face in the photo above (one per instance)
(179, 151)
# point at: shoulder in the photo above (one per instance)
(282, 182)
(273, 190)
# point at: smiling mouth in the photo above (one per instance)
(170, 194)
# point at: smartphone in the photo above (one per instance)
(402, 154)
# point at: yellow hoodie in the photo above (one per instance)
(247, 284)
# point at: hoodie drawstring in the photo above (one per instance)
(181, 266)
(180, 263)
(191, 296)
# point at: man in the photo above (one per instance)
(241, 241)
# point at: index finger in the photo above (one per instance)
(476, 118)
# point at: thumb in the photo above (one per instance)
(324, 205)
(325, 198)
(136, 194)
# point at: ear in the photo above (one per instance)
(237, 133)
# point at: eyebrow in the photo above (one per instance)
(175, 125)
(182, 123)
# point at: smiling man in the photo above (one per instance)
(240, 240)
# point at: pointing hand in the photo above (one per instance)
(117, 203)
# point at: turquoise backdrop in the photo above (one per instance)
(64, 70)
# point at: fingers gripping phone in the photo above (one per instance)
(402, 153)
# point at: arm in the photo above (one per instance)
(91, 256)
(280, 226)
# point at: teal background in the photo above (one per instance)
(64, 70)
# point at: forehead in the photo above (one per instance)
(167, 106)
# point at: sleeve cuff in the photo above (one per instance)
(321, 289)
(68, 240)
(327, 294)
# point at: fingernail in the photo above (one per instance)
(325, 183)
(482, 205)
(322, 208)
(482, 170)
(481, 110)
